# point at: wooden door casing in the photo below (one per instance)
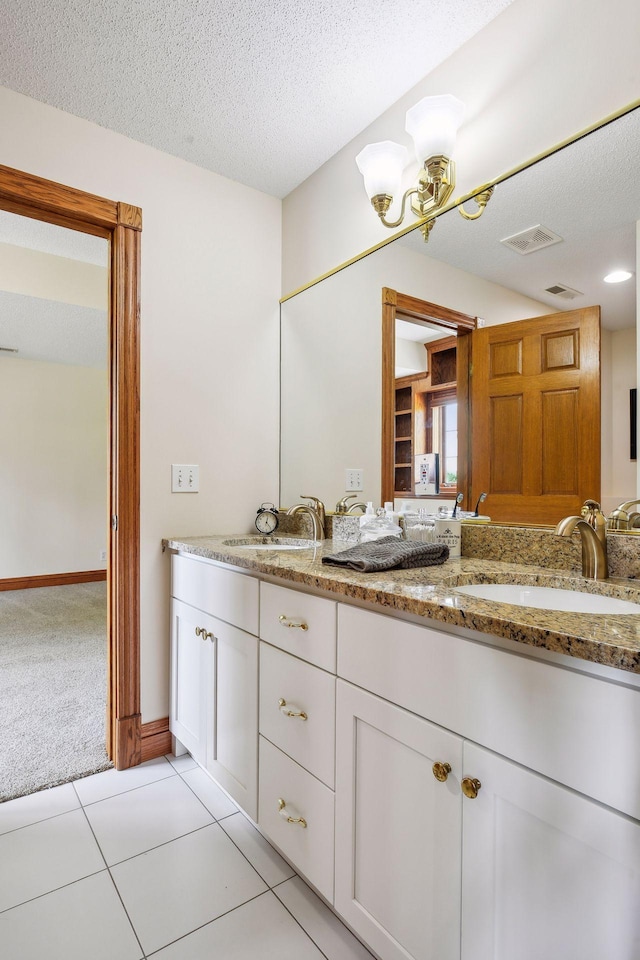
(121, 224)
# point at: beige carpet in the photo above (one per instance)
(52, 686)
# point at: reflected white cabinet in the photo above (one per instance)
(546, 872)
(398, 828)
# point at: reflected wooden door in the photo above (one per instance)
(535, 411)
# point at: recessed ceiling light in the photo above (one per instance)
(617, 276)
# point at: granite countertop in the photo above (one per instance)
(430, 592)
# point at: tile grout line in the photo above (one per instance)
(39, 896)
(208, 923)
(90, 803)
(113, 881)
(307, 932)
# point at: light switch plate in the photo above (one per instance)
(185, 478)
(354, 478)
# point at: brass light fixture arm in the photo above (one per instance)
(382, 202)
(482, 199)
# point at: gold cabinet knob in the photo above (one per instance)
(470, 787)
(441, 771)
(202, 632)
(293, 624)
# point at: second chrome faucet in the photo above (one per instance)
(593, 532)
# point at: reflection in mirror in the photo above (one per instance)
(331, 349)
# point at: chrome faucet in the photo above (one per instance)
(593, 532)
(620, 518)
(317, 514)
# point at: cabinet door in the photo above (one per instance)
(191, 676)
(398, 829)
(232, 742)
(546, 871)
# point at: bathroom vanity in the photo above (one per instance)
(457, 778)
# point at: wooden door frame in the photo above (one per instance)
(394, 304)
(120, 224)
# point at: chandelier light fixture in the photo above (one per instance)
(433, 124)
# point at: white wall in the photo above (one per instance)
(209, 350)
(542, 71)
(618, 376)
(53, 468)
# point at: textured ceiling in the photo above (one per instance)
(261, 93)
(589, 194)
(53, 332)
(48, 238)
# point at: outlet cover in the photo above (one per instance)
(354, 478)
(185, 478)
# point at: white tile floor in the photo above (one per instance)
(152, 862)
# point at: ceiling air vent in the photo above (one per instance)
(535, 238)
(564, 292)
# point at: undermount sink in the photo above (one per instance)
(270, 543)
(549, 598)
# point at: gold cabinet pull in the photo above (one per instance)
(282, 807)
(202, 632)
(298, 714)
(470, 787)
(294, 624)
(441, 771)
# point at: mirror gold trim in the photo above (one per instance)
(598, 125)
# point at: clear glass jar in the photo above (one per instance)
(420, 526)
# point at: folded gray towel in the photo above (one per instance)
(388, 553)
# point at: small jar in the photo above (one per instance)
(420, 526)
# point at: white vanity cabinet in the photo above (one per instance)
(453, 800)
(297, 729)
(398, 829)
(545, 871)
(214, 673)
(191, 677)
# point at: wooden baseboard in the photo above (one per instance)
(52, 580)
(156, 739)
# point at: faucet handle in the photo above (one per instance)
(341, 505)
(318, 504)
(594, 517)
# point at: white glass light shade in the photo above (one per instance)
(381, 165)
(433, 123)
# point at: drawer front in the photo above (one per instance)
(300, 624)
(310, 847)
(563, 724)
(310, 739)
(230, 596)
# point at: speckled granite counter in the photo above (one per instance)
(430, 592)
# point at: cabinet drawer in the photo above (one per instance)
(310, 848)
(313, 634)
(230, 596)
(566, 725)
(305, 689)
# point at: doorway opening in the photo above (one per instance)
(120, 224)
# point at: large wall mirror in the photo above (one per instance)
(573, 220)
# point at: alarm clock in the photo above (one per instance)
(266, 519)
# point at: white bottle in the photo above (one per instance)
(368, 515)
